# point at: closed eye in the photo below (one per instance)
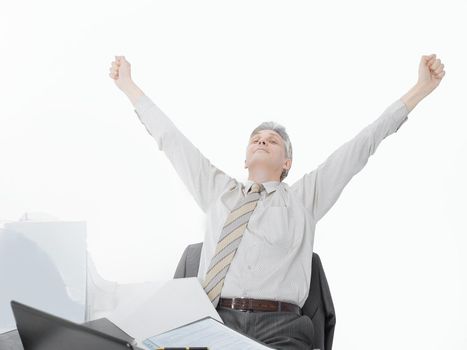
(270, 140)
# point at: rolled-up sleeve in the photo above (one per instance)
(203, 180)
(320, 188)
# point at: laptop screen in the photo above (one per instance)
(39, 330)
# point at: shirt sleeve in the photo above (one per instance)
(321, 188)
(203, 180)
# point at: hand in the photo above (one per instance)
(120, 71)
(430, 73)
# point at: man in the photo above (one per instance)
(258, 245)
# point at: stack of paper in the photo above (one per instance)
(204, 333)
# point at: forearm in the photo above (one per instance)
(321, 188)
(203, 180)
(133, 92)
(414, 96)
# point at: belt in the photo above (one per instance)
(247, 304)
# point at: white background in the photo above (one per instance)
(394, 245)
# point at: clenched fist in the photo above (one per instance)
(120, 72)
(430, 73)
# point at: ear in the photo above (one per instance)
(245, 167)
(287, 164)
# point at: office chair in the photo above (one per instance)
(318, 306)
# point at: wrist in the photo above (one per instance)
(127, 86)
(132, 91)
(417, 93)
(421, 90)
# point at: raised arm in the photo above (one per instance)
(320, 188)
(202, 179)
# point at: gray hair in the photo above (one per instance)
(285, 137)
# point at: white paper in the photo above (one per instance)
(126, 297)
(205, 333)
(178, 302)
(43, 265)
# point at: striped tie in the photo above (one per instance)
(229, 241)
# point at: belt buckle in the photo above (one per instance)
(232, 303)
(245, 304)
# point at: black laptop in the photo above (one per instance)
(39, 330)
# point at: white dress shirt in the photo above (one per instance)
(273, 260)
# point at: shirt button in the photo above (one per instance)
(249, 267)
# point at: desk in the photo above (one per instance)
(12, 341)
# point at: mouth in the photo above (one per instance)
(260, 149)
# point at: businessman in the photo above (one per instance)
(257, 250)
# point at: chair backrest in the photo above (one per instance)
(318, 306)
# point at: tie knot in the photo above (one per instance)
(256, 188)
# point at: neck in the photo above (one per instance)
(261, 176)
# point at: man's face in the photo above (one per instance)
(266, 150)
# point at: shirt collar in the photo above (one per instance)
(269, 186)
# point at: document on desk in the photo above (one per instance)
(178, 302)
(207, 332)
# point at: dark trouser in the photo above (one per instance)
(278, 330)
